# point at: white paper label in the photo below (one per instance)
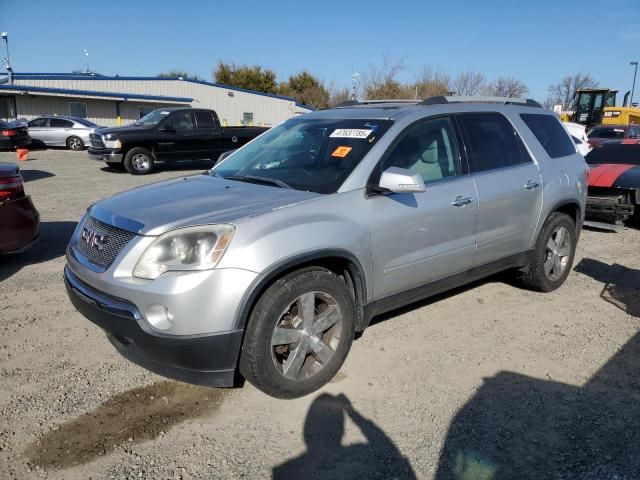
(350, 133)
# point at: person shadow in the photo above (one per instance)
(520, 427)
(327, 458)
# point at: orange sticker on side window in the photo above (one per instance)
(341, 152)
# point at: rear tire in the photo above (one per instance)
(552, 258)
(75, 143)
(139, 161)
(299, 333)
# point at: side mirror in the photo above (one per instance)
(401, 180)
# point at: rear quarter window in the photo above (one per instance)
(551, 135)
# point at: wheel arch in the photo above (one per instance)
(571, 208)
(341, 262)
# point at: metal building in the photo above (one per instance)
(113, 100)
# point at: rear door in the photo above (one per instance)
(418, 238)
(509, 186)
(208, 135)
(59, 130)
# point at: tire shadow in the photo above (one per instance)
(53, 238)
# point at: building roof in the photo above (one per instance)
(92, 94)
(97, 76)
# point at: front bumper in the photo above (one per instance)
(202, 360)
(105, 155)
(609, 207)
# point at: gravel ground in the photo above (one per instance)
(489, 381)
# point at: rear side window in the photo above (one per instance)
(39, 122)
(205, 120)
(492, 140)
(551, 135)
(60, 123)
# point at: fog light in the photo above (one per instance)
(159, 316)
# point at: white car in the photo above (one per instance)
(579, 136)
(72, 132)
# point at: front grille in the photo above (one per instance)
(96, 141)
(111, 247)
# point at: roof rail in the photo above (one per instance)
(353, 103)
(439, 100)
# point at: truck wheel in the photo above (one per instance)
(553, 255)
(299, 333)
(75, 143)
(138, 161)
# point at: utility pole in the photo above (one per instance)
(635, 64)
(86, 61)
(354, 78)
(7, 60)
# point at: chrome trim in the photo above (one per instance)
(99, 213)
(113, 305)
(106, 157)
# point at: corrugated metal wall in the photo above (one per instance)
(231, 105)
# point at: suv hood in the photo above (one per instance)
(193, 200)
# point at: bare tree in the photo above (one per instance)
(507, 87)
(339, 95)
(564, 92)
(431, 82)
(469, 83)
(379, 82)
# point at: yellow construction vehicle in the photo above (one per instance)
(598, 105)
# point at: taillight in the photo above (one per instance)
(9, 133)
(10, 187)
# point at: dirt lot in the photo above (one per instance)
(490, 381)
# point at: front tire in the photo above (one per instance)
(138, 161)
(299, 333)
(552, 258)
(75, 143)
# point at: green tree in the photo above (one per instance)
(179, 74)
(306, 89)
(251, 77)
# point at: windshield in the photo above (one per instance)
(315, 155)
(615, 152)
(152, 118)
(607, 132)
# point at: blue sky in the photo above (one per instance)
(537, 41)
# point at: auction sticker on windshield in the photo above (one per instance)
(341, 152)
(350, 133)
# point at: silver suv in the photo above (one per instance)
(265, 267)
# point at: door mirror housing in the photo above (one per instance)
(400, 180)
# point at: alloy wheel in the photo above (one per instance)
(557, 253)
(141, 162)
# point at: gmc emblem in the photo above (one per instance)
(94, 239)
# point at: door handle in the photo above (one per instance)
(461, 201)
(531, 184)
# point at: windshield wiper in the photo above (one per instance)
(256, 179)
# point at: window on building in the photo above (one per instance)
(77, 109)
(247, 118)
(492, 141)
(146, 110)
(204, 119)
(7, 108)
(551, 135)
(60, 123)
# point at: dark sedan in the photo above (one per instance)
(603, 133)
(19, 219)
(13, 136)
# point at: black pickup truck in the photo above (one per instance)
(168, 135)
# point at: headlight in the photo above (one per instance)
(184, 249)
(111, 143)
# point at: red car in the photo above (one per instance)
(614, 181)
(603, 133)
(19, 219)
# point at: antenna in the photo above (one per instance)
(86, 61)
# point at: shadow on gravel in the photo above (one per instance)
(31, 175)
(621, 284)
(52, 242)
(134, 416)
(187, 165)
(526, 428)
(326, 458)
